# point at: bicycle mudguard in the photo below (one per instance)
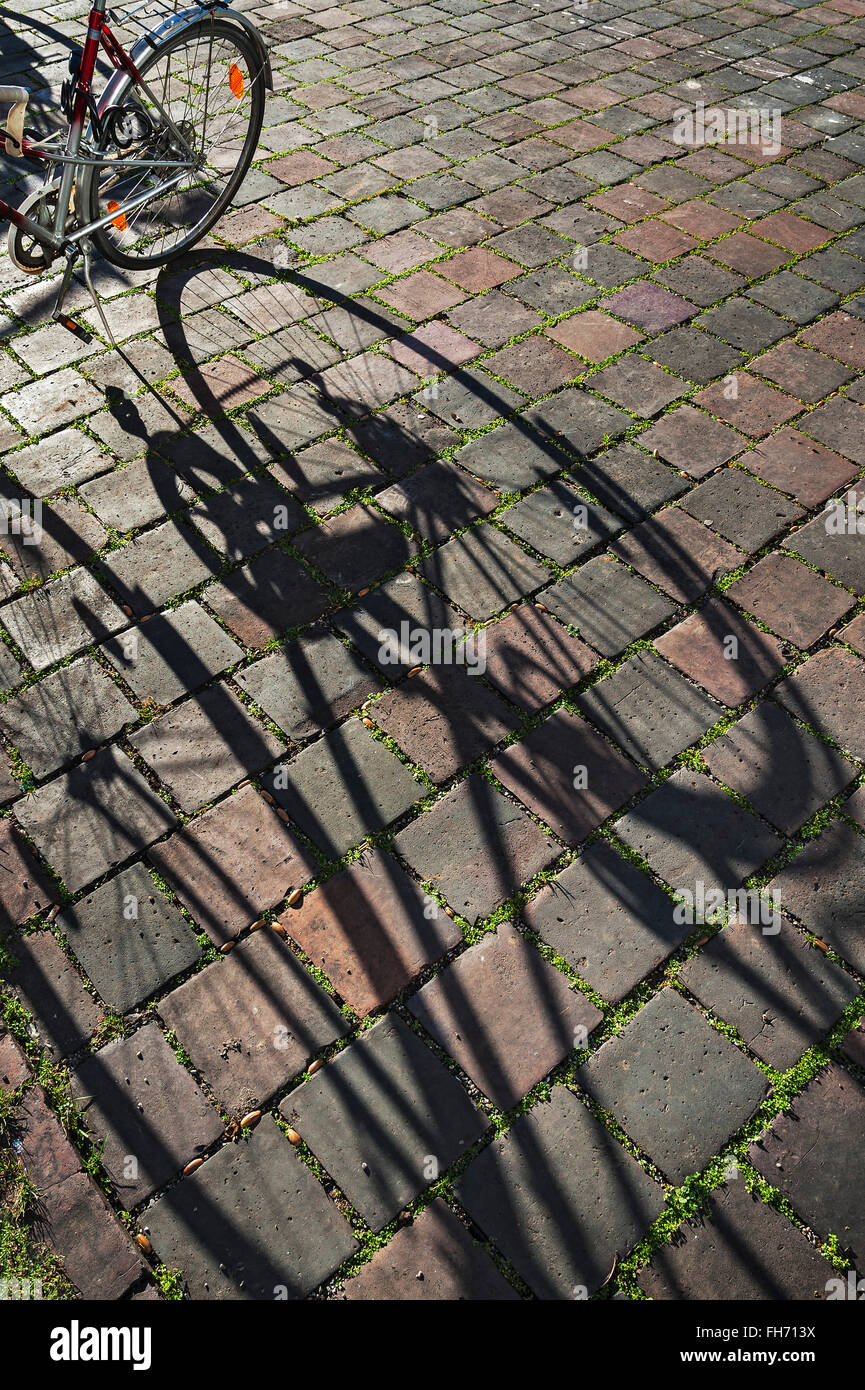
(175, 24)
(19, 97)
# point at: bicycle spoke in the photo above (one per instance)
(205, 89)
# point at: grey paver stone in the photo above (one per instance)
(609, 920)
(129, 938)
(205, 746)
(476, 847)
(560, 1197)
(173, 653)
(779, 993)
(677, 1086)
(807, 1153)
(344, 788)
(251, 1220)
(107, 810)
(138, 1102)
(609, 606)
(376, 1113)
(742, 1250)
(649, 710)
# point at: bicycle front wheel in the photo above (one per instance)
(198, 112)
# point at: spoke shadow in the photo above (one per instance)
(276, 594)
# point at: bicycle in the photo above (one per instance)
(140, 175)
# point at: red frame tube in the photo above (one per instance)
(98, 35)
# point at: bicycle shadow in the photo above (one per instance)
(269, 594)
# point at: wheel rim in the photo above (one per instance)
(206, 86)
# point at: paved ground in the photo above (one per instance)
(493, 346)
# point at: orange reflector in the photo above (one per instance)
(235, 80)
(118, 221)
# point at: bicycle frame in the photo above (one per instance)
(99, 36)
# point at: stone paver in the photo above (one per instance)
(649, 710)
(610, 921)
(248, 1054)
(108, 813)
(778, 992)
(232, 863)
(24, 888)
(66, 1013)
(129, 937)
(716, 646)
(384, 1118)
(483, 572)
(827, 694)
(690, 831)
(530, 657)
(76, 708)
(371, 929)
(807, 1156)
(741, 1250)
(678, 1087)
(791, 599)
(14, 1070)
(203, 747)
(504, 1015)
(309, 684)
(389, 624)
(99, 1258)
(609, 606)
(252, 1220)
(785, 773)
(175, 652)
(494, 371)
(677, 553)
(62, 618)
(741, 510)
(433, 1258)
(418, 715)
(344, 788)
(560, 1198)
(692, 441)
(568, 775)
(140, 1104)
(822, 888)
(476, 847)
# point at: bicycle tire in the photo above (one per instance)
(204, 29)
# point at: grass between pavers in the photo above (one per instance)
(637, 424)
